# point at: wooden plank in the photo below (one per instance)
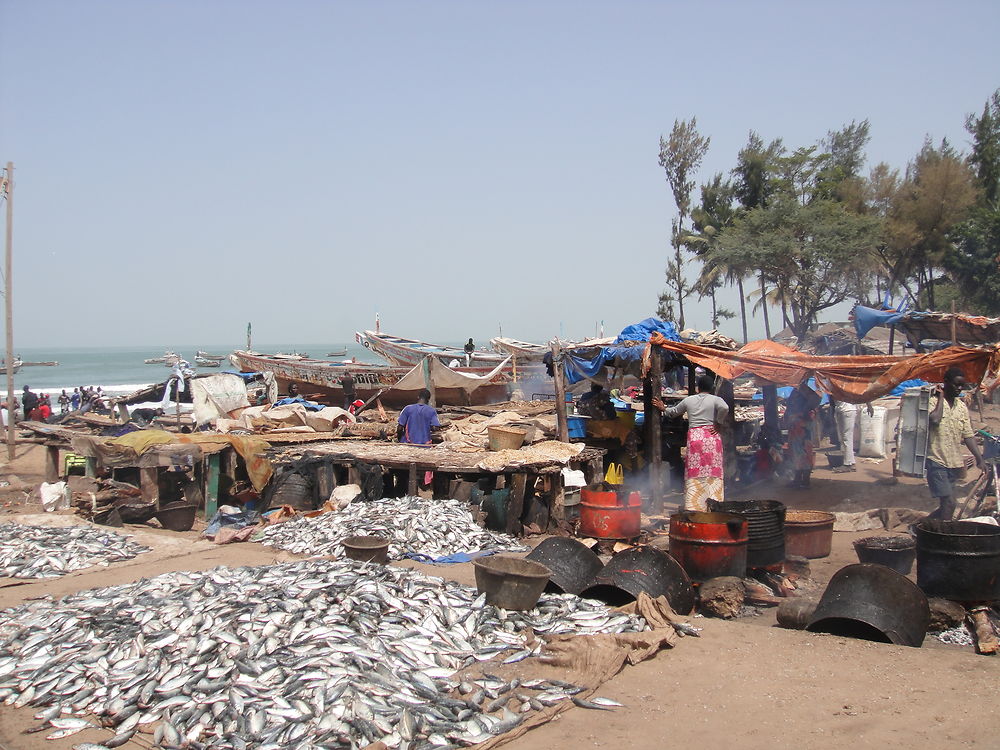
(411, 485)
(149, 484)
(228, 480)
(560, 386)
(515, 505)
(51, 464)
(212, 485)
(325, 482)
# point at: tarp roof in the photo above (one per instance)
(854, 379)
(919, 326)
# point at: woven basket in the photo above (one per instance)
(506, 438)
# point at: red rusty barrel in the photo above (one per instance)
(610, 515)
(708, 545)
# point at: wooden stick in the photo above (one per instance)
(982, 631)
(979, 488)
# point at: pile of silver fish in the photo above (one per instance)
(52, 551)
(413, 525)
(313, 654)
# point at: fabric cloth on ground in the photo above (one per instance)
(457, 557)
(703, 470)
(858, 379)
(589, 661)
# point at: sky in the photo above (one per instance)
(460, 169)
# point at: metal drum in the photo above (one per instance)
(708, 545)
(873, 603)
(610, 515)
(766, 523)
(640, 569)
(573, 564)
(958, 560)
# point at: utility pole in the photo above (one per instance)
(7, 191)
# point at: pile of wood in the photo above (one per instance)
(127, 498)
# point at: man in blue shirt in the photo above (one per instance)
(416, 421)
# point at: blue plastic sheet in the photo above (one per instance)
(458, 557)
(866, 318)
(898, 390)
(310, 405)
(236, 520)
(578, 367)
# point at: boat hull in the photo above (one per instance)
(410, 352)
(322, 377)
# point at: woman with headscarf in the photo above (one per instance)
(703, 465)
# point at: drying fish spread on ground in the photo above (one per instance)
(314, 654)
(412, 525)
(50, 552)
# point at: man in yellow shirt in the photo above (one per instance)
(950, 426)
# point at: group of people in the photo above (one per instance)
(38, 406)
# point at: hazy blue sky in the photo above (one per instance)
(185, 167)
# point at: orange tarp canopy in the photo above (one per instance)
(854, 379)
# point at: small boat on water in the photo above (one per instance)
(324, 377)
(160, 360)
(208, 361)
(206, 355)
(338, 353)
(17, 365)
(39, 364)
(408, 352)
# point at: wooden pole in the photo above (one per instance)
(8, 184)
(557, 376)
(954, 324)
(428, 383)
(892, 338)
(652, 417)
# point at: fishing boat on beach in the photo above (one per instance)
(405, 352)
(524, 351)
(480, 385)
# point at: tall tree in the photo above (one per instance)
(680, 157)
(754, 184)
(974, 259)
(715, 212)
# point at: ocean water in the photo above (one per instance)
(120, 370)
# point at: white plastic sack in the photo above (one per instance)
(344, 494)
(872, 429)
(54, 496)
(573, 478)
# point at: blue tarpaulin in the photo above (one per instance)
(578, 367)
(866, 318)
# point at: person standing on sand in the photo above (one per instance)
(950, 426)
(800, 411)
(703, 464)
(74, 400)
(416, 421)
(63, 402)
(29, 400)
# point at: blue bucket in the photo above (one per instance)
(577, 427)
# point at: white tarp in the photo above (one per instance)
(287, 418)
(218, 396)
(443, 376)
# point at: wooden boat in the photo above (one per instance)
(160, 360)
(39, 364)
(206, 355)
(14, 367)
(523, 350)
(318, 376)
(338, 353)
(208, 361)
(409, 352)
